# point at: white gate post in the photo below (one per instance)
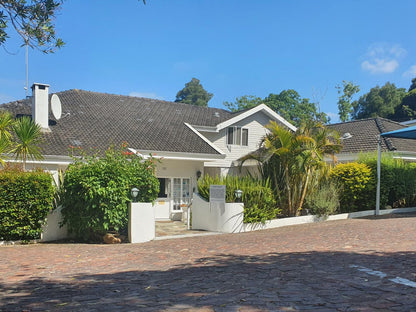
(141, 222)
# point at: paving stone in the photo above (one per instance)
(298, 268)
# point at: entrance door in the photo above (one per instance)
(181, 191)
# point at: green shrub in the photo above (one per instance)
(398, 180)
(26, 199)
(324, 201)
(97, 191)
(258, 199)
(357, 186)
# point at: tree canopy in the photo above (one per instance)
(287, 103)
(293, 108)
(380, 101)
(243, 102)
(413, 85)
(33, 21)
(194, 93)
(346, 91)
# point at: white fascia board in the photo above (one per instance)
(176, 155)
(205, 139)
(47, 160)
(262, 107)
(205, 129)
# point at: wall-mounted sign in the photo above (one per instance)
(217, 193)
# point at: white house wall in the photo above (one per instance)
(256, 131)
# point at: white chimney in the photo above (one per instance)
(40, 104)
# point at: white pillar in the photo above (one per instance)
(141, 222)
(377, 212)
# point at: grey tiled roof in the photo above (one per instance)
(364, 134)
(96, 120)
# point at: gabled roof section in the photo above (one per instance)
(364, 133)
(96, 120)
(259, 108)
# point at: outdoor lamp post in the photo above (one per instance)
(238, 194)
(134, 194)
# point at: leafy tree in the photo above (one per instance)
(33, 21)
(413, 85)
(28, 136)
(379, 102)
(293, 108)
(243, 102)
(194, 93)
(346, 92)
(407, 108)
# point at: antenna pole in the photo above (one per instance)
(27, 68)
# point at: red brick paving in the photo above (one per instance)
(296, 268)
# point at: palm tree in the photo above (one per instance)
(28, 136)
(292, 159)
(6, 122)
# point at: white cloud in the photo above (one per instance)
(146, 95)
(411, 72)
(377, 66)
(383, 58)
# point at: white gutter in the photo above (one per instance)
(175, 155)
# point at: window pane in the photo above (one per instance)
(162, 188)
(245, 137)
(230, 135)
(238, 136)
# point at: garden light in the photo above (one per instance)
(238, 194)
(134, 194)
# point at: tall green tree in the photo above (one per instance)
(407, 108)
(293, 108)
(33, 21)
(346, 92)
(243, 102)
(28, 136)
(379, 102)
(413, 85)
(194, 93)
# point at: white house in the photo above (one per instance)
(190, 141)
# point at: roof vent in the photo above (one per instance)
(216, 114)
(346, 135)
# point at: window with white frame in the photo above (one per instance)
(237, 136)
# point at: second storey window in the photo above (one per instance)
(237, 136)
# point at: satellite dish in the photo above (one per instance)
(56, 106)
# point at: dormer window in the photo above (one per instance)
(237, 136)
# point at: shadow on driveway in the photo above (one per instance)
(321, 281)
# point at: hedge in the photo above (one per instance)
(26, 199)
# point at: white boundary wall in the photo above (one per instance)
(211, 217)
(214, 217)
(311, 219)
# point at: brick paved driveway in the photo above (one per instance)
(351, 265)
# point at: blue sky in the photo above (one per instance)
(235, 47)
